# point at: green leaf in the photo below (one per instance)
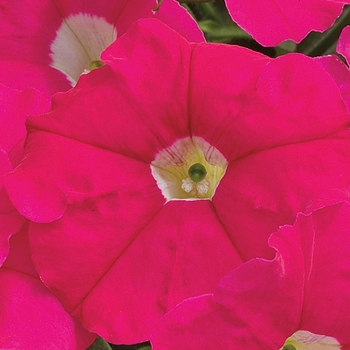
(99, 344)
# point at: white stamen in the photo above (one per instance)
(80, 39)
(203, 187)
(187, 185)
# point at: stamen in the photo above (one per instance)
(203, 187)
(187, 185)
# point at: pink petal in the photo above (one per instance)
(256, 306)
(325, 242)
(100, 91)
(272, 21)
(21, 75)
(336, 68)
(83, 172)
(261, 191)
(15, 107)
(261, 303)
(259, 103)
(340, 73)
(177, 17)
(29, 28)
(32, 317)
(168, 251)
(23, 33)
(343, 46)
(10, 220)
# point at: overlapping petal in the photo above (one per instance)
(31, 316)
(15, 107)
(86, 178)
(29, 29)
(262, 303)
(343, 46)
(10, 220)
(271, 22)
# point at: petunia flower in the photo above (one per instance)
(271, 22)
(297, 301)
(31, 316)
(149, 181)
(49, 44)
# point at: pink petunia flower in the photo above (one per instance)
(31, 316)
(150, 180)
(49, 44)
(299, 300)
(271, 22)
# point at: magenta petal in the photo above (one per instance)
(340, 73)
(261, 303)
(32, 317)
(177, 17)
(343, 46)
(83, 172)
(327, 267)
(15, 108)
(271, 22)
(255, 306)
(21, 75)
(109, 94)
(10, 220)
(266, 189)
(174, 255)
(201, 323)
(23, 36)
(259, 104)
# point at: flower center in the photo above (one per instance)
(78, 44)
(304, 340)
(190, 169)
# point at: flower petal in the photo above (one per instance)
(177, 17)
(21, 75)
(10, 220)
(262, 303)
(251, 103)
(266, 189)
(15, 108)
(32, 317)
(339, 72)
(343, 46)
(327, 267)
(147, 126)
(174, 254)
(255, 306)
(272, 21)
